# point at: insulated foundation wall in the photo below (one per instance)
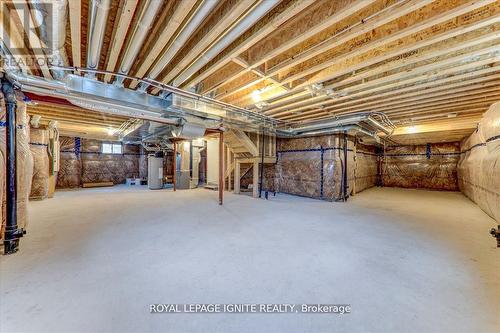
(39, 140)
(367, 168)
(313, 166)
(479, 165)
(83, 162)
(70, 169)
(24, 161)
(432, 166)
(98, 167)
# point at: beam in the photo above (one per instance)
(23, 11)
(255, 180)
(457, 80)
(75, 16)
(119, 34)
(465, 23)
(393, 114)
(420, 94)
(427, 72)
(13, 39)
(279, 15)
(174, 167)
(415, 22)
(466, 19)
(164, 39)
(219, 24)
(228, 168)
(438, 83)
(317, 18)
(237, 170)
(446, 47)
(246, 142)
(338, 39)
(221, 167)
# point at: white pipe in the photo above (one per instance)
(205, 9)
(140, 33)
(51, 17)
(354, 128)
(320, 125)
(231, 36)
(99, 16)
(379, 126)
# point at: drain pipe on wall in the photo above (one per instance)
(12, 233)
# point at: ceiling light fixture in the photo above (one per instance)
(411, 129)
(256, 96)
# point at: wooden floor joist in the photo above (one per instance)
(301, 61)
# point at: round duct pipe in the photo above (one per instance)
(189, 131)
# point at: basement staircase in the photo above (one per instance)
(244, 154)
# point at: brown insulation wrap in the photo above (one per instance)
(69, 168)
(83, 162)
(479, 166)
(98, 167)
(39, 140)
(432, 166)
(313, 166)
(366, 170)
(24, 164)
(299, 173)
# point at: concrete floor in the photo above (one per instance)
(406, 261)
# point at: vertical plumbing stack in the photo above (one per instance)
(24, 165)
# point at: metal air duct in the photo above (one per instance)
(189, 131)
(51, 17)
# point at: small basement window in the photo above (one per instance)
(111, 148)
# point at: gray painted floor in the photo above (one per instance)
(405, 260)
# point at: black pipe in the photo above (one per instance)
(12, 233)
(263, 141)
(191, 159)
(346, 185)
